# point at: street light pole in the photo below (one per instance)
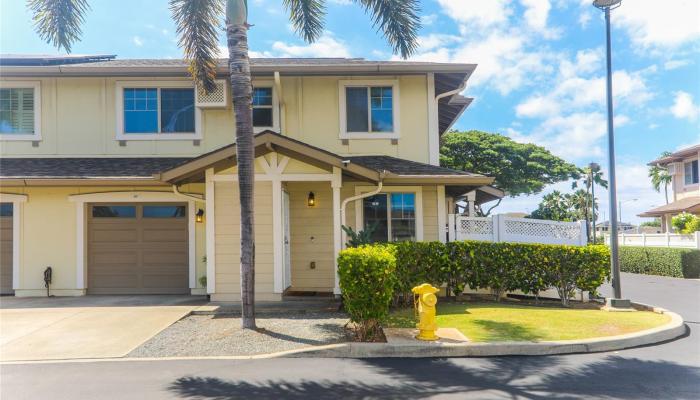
(593, 167)
(606, 6)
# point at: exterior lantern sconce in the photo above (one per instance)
(200, 215)
(311, 200)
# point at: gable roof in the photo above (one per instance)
(688, 204)
(367, 168)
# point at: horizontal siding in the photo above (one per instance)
(227, 214)
(430, 225)
(305, 223)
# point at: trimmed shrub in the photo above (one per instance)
(663, 261)
(367, 280)
(418, 263)
(577, 267)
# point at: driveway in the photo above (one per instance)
(85, 327)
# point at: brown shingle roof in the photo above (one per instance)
(85, 168)
(688, 204)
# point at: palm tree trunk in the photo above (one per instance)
(666, 192)
(241, 89)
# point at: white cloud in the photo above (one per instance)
(325, 46)
(536, 13)
(426, 20)
(675, 64)
(653, 24)
(684, 106)
(137, 41)
(584, 19)
(537, 106)
(478, 13)
(435, 40)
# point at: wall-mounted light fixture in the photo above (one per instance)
(200, 215)
(311, 200)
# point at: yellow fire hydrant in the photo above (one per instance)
(426, 311)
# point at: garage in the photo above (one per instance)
(6, 211)
(137, 248)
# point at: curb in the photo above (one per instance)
(672, 330)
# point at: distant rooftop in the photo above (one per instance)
(49, 59)
(678, 155)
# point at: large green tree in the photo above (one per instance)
(199, 23)
(555, 206)
(518, 168)
(660, 176)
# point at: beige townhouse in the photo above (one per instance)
(121, 176)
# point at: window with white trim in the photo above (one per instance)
(392, 216)
(19, 111)
(691, 172)
(263, 116)
(147, 112)
(368, 109)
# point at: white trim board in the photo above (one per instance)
(81, 200)
(17, 201)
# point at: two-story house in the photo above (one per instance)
(121, 176)
(682, 165)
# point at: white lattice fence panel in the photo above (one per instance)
(540, 231)
(474, 228)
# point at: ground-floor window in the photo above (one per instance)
(392, 215)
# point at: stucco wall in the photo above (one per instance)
(48, 236)
(78, 118)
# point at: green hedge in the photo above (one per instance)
(367, 279)
(678, 263)
(500, 267)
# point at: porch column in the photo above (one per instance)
(336, 184)
(471, 198)
(442, 214)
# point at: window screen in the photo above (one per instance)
(17, 110)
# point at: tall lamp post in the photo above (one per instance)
(593, 168)
(616, 301)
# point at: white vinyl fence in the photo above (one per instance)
(501, 228)
(691, 241)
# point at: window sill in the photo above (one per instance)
(369, 135)
(19, 137)
(158, 136)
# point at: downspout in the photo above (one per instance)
(280, 100)
(355, 198)
(451, 92)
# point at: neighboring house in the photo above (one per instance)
(604, 227)
(685, 187)
(121, 177)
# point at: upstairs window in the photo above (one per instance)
(19, 111)
(369, 111)
(691, 172)
(262, 107)
(152, 112)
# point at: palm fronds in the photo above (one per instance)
(307, 17)
(58, 21)
(198, 23)
(398, 20)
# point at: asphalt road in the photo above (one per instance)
(667, 371)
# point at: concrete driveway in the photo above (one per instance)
(85, 327)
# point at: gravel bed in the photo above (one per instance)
(221, 335)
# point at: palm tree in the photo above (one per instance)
(590, 178)
(660, 176)
(198, 22)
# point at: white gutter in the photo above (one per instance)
(186, 195)
(451, 92)
(355, 198)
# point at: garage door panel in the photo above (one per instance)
(6, 254)
(138, 255)
(165, 235)
(114, 236)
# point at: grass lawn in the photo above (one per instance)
(493, 322)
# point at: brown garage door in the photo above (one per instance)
(137, 248)
(6, 248)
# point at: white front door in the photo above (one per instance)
(286, 238)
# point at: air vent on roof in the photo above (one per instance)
(217, 98)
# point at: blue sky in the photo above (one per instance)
(540, 76)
